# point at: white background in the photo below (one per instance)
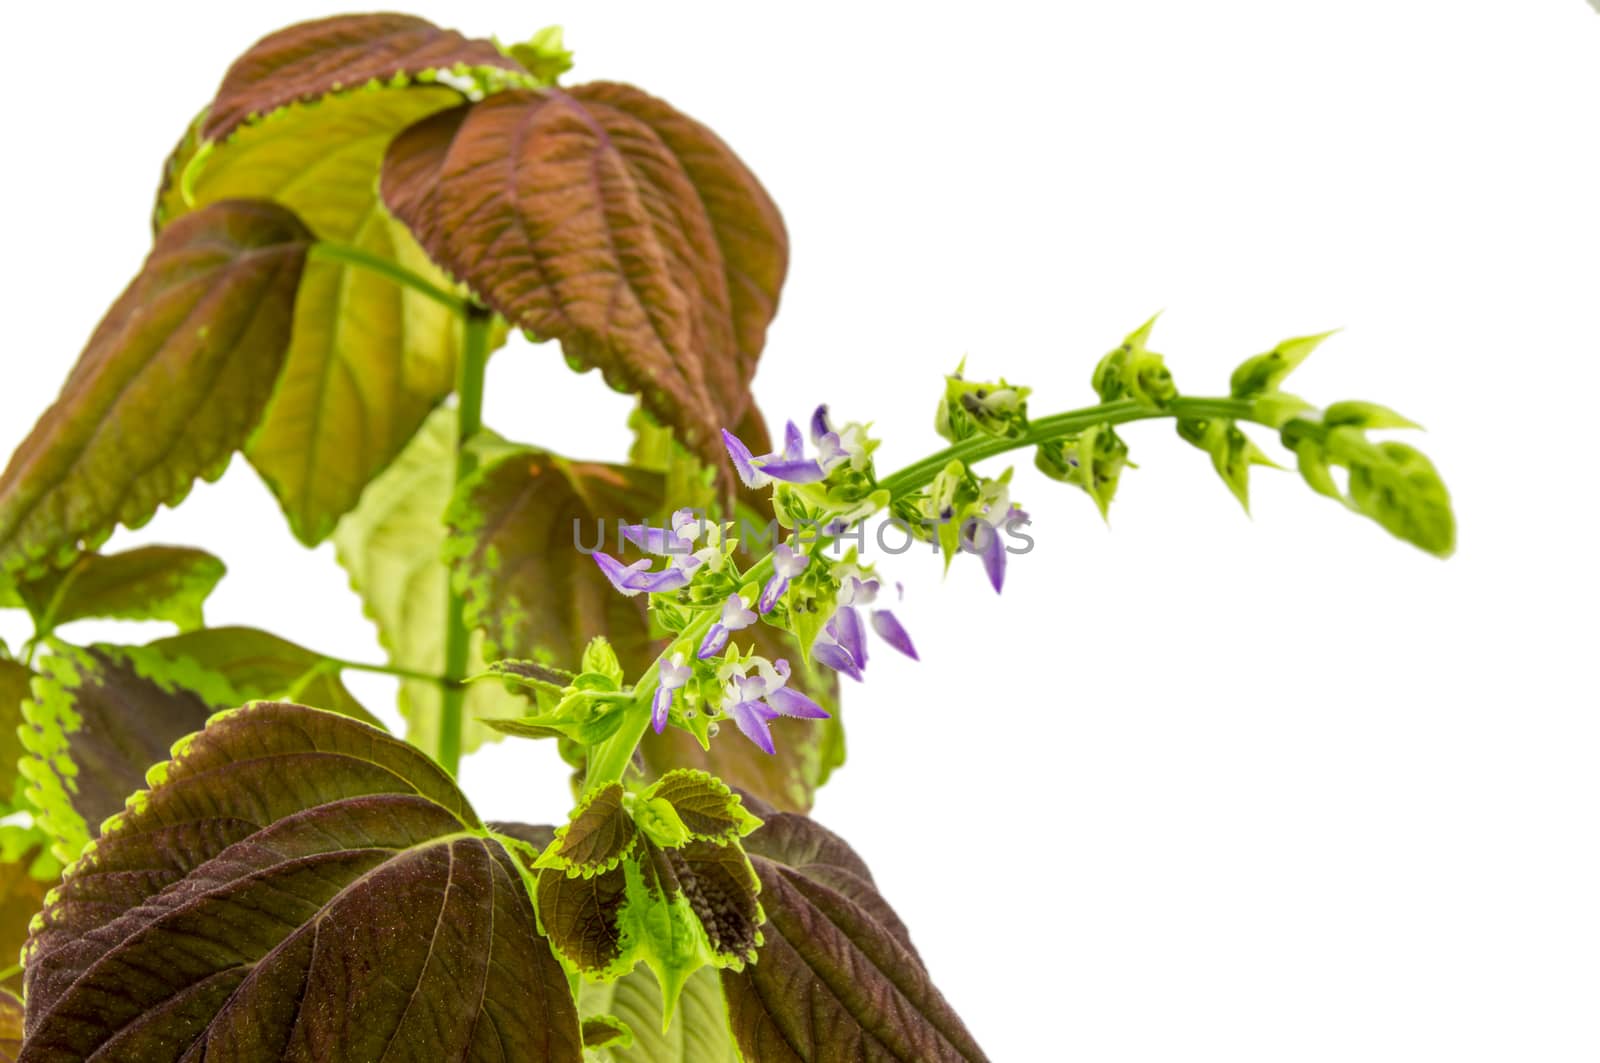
(1198, 787)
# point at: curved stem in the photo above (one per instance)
(355, 256)
(469, 420)
(609, 761)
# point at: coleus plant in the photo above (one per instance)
(213, 849)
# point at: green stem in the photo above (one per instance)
(355, 256)
(609, 761)
(450, 680)
(921, 473)
(469, 420)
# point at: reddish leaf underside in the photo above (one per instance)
(836, 980)
(172, 382)
(609, 221)
(297, 886)
(311, 59)
(513, 551)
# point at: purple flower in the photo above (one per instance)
(842, 644)
(673, 675)
(637, 577)
(981, 536)
(786, 565)
(890, 631)
(736, 616)
(753, 701)
(791, 464)
(669, 541)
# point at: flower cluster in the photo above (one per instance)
(699, 592)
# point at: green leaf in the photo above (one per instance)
(27, 867)
(260, 665)
(708, 809)
(303, 119)
(836, 979)
(515, 530)
(699, 1028)
(16, 684)
(296, 885)
(544, 55)
(172, 382)
(98, 719)
(391, 545)
(600, 659)
(603, 218)
(148, 583)
(808, 750)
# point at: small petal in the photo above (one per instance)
(819, 424)
(834, 656)
(751, 718)
(830, 451)
(736, 616)
(715, 642)
(789, 702)
(849, 634)
(889, 630)
(789, 562)
(771, 593)
(793, 445)
(798, 471)
(674, 673)
(742, 458)
(620, 575)
(660, 707)
(993, 552)
(657, 540)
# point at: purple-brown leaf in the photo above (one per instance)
(170, 385)
(610, 221)
(296, 885)
(836, 980)
(307, 61)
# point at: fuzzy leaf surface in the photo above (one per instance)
(513, 552)
(296, 885)
(303, 119)
(606, 219)
(172, 382)
(836, 979)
